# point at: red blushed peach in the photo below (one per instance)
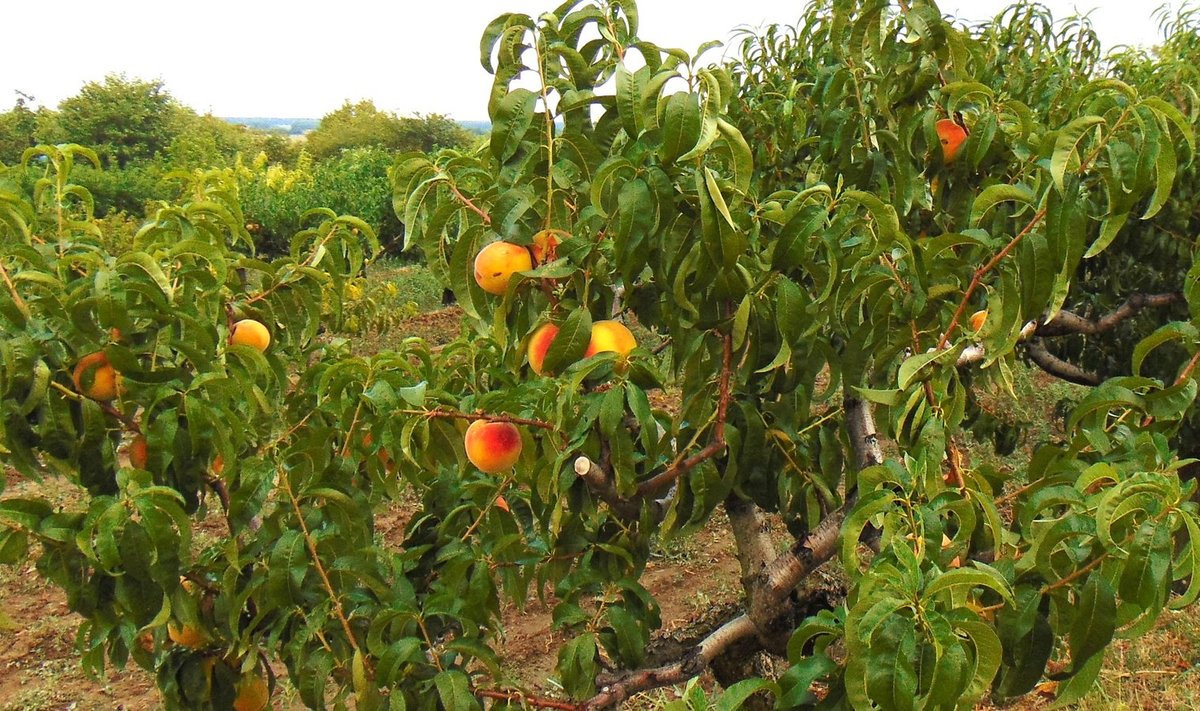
(539, 345)
(544, 245)
(493, 446)
(139, 452)
(496, 263)
(951, 136)
(977, 319)
(610, 336)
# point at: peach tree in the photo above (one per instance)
(799, 236)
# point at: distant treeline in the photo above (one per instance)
(143, 136)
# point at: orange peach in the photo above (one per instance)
(977, 319)
(539, 345)
(95, 378)
(502, 504)
(385, 458)
(253, 694)
(544, 246)
(610, 336)
(139, 452)
(951, 136)
(496, 263)
(249, 332)
(218, 465)
(187, 636)
(493, 446)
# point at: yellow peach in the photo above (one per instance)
(95, 378)
(187, 636)
(544, 246)
(539, 345)
(253, 694)
(249, 332)
(493, 446)
(496, 263)
(610, 336)
(977, 319)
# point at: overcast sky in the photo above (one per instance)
(289, 59)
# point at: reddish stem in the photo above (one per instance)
(982, 271)
(523, 698)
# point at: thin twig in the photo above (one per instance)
(312, 550)
(977, 278)
(526, 699)
(487, 219)
(663, 479)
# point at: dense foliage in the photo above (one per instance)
(802, 228)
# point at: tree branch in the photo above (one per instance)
(755, 549)
(665, 478)
(696, 660)
(1059, 368)
(602, 485)
(1067, 323)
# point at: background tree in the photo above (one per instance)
(124, 120)
(362, 125)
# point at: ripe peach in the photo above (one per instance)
(544, 246)
(187, 636)
(539, 345)
(952, 136)
(249, 332)
(493, 446)
(95, 378)
(610, 336)
(253, 694)
(139, 452)
(496, 263)
(218, 465)
(502, 504)
(977, 319)
(385, 458)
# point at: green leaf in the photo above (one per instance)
(680, 126)
(735, 696)
(1065, 145)
(570, 343)
(454, 690)
(993, 195)
(1095, 621)
(1165, 166)
(981, 575)
(513, 117)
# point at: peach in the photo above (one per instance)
(249, 332)
(977, 319)
(253, 694)
(496, 263)
(502, 504)
(139, 452)
(95, 378)
(493, 446)
(385, 458)
(610, 336)
(951, 136)
(218, 465)
(544, 246)
(187, 636)
(539, 345)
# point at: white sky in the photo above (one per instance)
(289, 59)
